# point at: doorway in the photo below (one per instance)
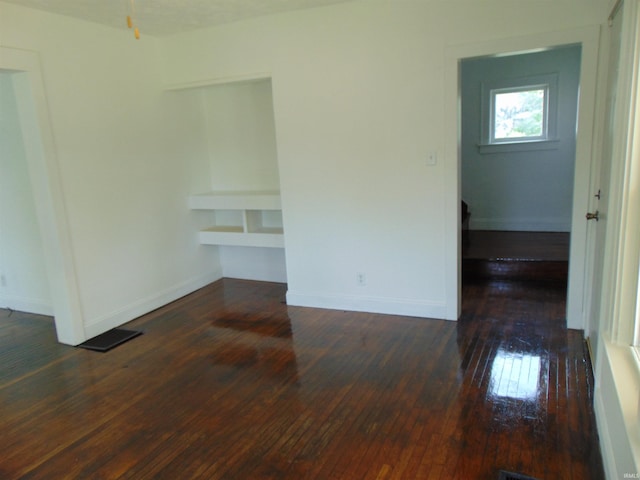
(24, 285)
(587, 39)
(518, 118)
(25, 73)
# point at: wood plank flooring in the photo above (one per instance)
(522, 246)
(538, 256)
(231, 383)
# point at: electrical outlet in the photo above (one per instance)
(361, 279)
(3, 281)
(432, 158)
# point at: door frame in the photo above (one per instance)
(586, 161)
(25, 69)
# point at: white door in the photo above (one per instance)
(600, 195)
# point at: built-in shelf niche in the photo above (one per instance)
(264, 221)
(243, 207)
(248, 219)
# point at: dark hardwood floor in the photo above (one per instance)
(540, 256)
(520, 246)
(231, 383)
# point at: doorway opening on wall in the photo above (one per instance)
(586, 166)
(518, 150)
(57, 292)
(24, 284)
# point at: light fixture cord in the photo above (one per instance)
(131, 20)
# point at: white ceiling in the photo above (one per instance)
(166, 17)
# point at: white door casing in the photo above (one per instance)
(601, 190)
(588, 38)
(44, 175)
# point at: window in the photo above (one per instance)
(519, 114)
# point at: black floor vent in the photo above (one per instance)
(513, 476)
(108, 340)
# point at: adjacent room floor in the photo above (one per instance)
(231, 383)
(520, 246)
(539, 256)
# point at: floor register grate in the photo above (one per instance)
(108, 340)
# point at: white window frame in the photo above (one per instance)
(636, 335)
(625, 321)
(619, 328)
(633, 207)
(489, 144)
(494, 92)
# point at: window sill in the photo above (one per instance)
(507, 147)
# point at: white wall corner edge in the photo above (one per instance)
(23, 304)
(148, 304)
(383, 305)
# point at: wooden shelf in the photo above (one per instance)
(247, 219)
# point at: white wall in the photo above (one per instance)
(531, 189)
(128, 154)
(23, 276)
(359, 102)
(241, 136)
(254, 263)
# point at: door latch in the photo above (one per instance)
(593, 216)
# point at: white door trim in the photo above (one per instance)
(588, 38)
(44, 175)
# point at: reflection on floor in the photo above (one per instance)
(515, 375)
(515, 255)
(231, 383)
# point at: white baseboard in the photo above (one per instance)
(23, 304)
(146, 305)
(514, 225)
(391, 306)
(257, 277)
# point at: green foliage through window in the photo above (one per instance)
(519, 114)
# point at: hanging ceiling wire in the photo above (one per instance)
(131, 20)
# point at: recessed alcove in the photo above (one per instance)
(240, 214)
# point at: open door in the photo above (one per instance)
(588, 39)
(600, 194)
